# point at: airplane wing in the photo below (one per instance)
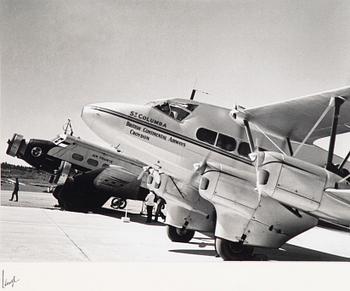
(11, 181)
(274, 224)
(294, 118)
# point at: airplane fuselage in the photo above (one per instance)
(174, 137)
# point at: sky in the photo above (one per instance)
(57, 56)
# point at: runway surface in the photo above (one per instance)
(33, 230)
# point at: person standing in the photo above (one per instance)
(149, 201)
(15, 191)
(160, 206)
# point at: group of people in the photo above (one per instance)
(151, 201)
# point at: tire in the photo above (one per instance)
(118, 203)
(232, 251)
(179, 235)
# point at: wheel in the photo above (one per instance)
(179, 235)
(118, 203)
(232, 251)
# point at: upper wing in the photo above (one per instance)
(294, 118)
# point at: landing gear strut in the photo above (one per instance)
(233, 251)
(179, 235)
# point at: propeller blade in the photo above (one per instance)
(143, 172)
(199, 168)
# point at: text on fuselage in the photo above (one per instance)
(147, 119)
(146, 133)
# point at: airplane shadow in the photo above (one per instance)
(289, 253)
(211, 253)
(296, 253)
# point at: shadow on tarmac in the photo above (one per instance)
(289, 253)
(295, 253)
(134, 217)
(211, 253)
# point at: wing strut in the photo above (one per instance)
(330, 105)
(344, 161)
(249, 135)
(337, 103)
(289, 146)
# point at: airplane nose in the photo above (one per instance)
(88, 114)
(103, 116)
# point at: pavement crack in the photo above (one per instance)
(70, 239)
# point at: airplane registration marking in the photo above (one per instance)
(102, 158)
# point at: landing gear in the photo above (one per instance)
(118, 203)
(233, 251)
(179, 235)
(71, 200)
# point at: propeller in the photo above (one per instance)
(199, 168)
(145, 170)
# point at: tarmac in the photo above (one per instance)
(33, 230)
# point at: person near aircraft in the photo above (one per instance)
(160, 206)
(15, 191)
(149, 201)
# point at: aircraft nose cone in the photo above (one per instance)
(88, 114)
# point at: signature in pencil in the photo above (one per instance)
(5, 282)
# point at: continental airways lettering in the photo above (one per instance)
(145, 133)
(148, 119)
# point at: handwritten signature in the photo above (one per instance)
(6, 283)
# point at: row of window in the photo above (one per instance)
(223, 141)
(91, 162)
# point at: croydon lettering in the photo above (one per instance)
(135, 133)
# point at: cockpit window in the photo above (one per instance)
(176, 110)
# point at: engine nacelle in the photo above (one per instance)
(184, 205)
(292, 181)
(33, 152)
(304, 186)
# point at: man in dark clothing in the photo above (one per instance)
(160, 205)
(15, 191)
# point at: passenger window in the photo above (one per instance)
(226, 143)
(206, 135)
(92, 162)
(244, 149)
(105, 165)
(77, 157)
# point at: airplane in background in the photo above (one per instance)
(249, 177)
(84, 175)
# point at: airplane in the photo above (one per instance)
(83, 175)
(248, 177)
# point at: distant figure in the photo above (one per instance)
(15, 191)
(149, 201)
(160, 206)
